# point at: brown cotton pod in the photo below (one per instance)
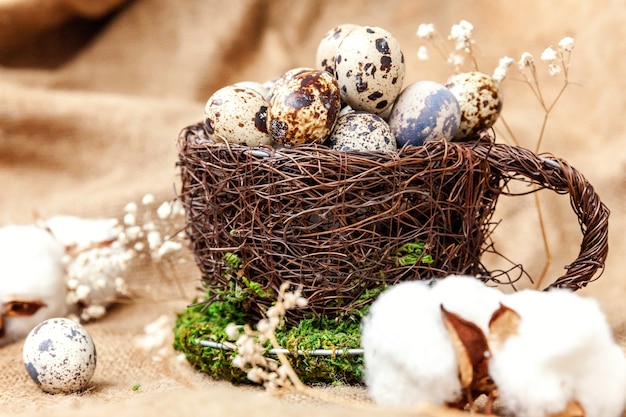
(472, 352)
(504, 323)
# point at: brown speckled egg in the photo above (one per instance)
(238, 115)
(304, 107)
(480, 101)
(362, 131)
(327, 48)
(369, 67)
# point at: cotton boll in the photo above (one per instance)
(32, 282)
(408, 355)
(468, 297)
(80, 233)
(563, 351)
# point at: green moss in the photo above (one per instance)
(412, 253)
(207, 321)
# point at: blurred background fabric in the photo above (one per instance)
(94, 93)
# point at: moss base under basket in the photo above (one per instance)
(208, 320)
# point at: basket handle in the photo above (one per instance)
(558, 175)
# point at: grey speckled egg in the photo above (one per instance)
(424, 111)
(327, 48)
(362, 131)
(369, 67)
(304, 107)
(238, 115)
(480, 99)
(60, 356)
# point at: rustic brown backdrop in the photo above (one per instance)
(93, 95)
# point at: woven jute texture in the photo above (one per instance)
(93, 96)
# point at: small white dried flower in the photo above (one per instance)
(554, 69)
(92, 312)
(426, 31)
(232, 331)
(276, 311)
(120, 286)
(133, 232)
(256, 375)
(169, 246)
(549, 55)
(165, 210)
(177, 208)
(154, 240)
(130, 208)
(526, 61)
(82, 292)
(461, 34)
(455, 59)
(239, 362)
(503, 66)
(147, 199)
(422, 53)
(264, 326)
(129, 219)
(567, 44)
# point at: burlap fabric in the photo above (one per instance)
(93, 95)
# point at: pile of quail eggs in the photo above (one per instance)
(353, 100)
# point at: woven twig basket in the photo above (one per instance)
(335, 222)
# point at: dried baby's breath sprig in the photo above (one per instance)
(558, 60)
(100, 251)
(455, 49)
(503, 67)
(275, 376)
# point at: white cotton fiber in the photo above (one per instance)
(409, 356)
(407, 351)
(81, 233)
(469, 298)
(31, 270)
(563, 352)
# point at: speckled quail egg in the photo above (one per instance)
(238, 115)
(480, 99)
(369, 67)
(60, 356)
(304, 107)
(362, 131)
(424, 111)
(327, 48)
(280, 81)
(261, 88)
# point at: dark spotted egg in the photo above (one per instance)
(59, 356)
(424, 111)
(304, 107)
(238, 115)
(327, 48)
(369, 67)
(480, 99)
(362, 131)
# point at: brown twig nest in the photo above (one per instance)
(342, 224)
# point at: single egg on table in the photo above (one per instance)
(60, 356)
(424, 111)
(369, 66)
(480, 100)
(362, 131)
